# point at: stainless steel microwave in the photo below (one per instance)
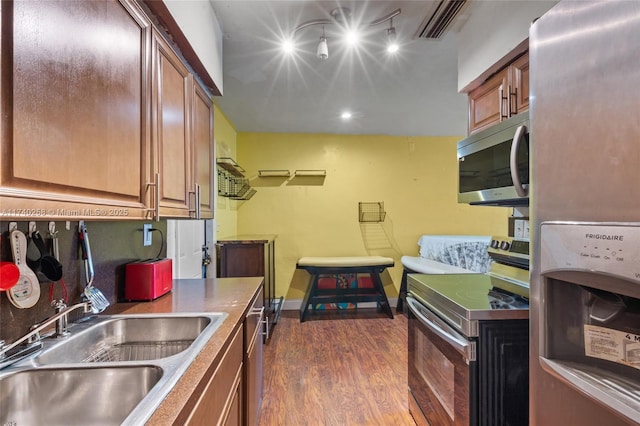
(493, 164)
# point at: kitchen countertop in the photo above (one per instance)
(230, 295)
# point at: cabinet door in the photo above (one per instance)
(75, 110)
(241, 260)
(488, 102)
(234, 416)
(203, 149)
(220, 403)
(171, 138)
(519, 99)
(254, 362)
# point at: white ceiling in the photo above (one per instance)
(414, 93)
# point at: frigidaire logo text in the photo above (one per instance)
(604, 237)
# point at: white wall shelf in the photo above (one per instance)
(310, 173)
(274, 173)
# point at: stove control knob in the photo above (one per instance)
(505, 245)
(495, 244)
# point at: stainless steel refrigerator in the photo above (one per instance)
(585, 210)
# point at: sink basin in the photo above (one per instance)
(111, 369)
(74, 396)
(129, 338)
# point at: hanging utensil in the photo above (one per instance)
(49, 265)
(33, 255)
(9, 275)
(55, 251)
(98, 300)
(26, 292)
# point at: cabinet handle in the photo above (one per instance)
(156, 197)
(502, 99)
(266, 328)
(197, 201)
(257, 311)
(513, 107)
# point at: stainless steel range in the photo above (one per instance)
(469, 342)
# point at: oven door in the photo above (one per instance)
(442, 370)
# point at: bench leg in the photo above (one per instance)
(403, 292)
(311, 290)
(383, 302)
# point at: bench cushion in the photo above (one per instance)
(345, 262)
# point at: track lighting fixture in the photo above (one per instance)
(323, 49)
(341, 17)
(392, 42)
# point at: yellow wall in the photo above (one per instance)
(225, 141)
(415, 177)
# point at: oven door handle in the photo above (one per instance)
(444, 331)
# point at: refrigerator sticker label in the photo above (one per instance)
(612, 345)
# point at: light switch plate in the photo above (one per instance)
(147, 240)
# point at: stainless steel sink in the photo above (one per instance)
(74, 396)
(129, 338)
(110, 370)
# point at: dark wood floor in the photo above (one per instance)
(338, 369)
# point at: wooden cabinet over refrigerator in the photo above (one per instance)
(503, 95)
(252, 256)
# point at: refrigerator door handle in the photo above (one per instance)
(517, 138)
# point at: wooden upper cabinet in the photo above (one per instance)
(520, 81)
(182, 135)
(99, 117)
(172, 87)
(204, 169)
(503, 95)
(75, 140)
(487, 102)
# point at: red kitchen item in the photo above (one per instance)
(147, 280)
(9, 275)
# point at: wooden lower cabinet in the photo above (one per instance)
(252, 256)
(220, 403)
(253, 360)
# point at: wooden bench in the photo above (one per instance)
(319, 266)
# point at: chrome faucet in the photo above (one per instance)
(61, 323)
(7, 353)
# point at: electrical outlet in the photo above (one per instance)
(147, 240)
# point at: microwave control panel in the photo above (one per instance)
(600, 247)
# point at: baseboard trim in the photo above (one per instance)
(294, 304)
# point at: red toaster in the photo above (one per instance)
(148, 279)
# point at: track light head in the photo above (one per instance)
(392, 42)
(323, 50)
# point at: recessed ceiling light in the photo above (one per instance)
(346, 115)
